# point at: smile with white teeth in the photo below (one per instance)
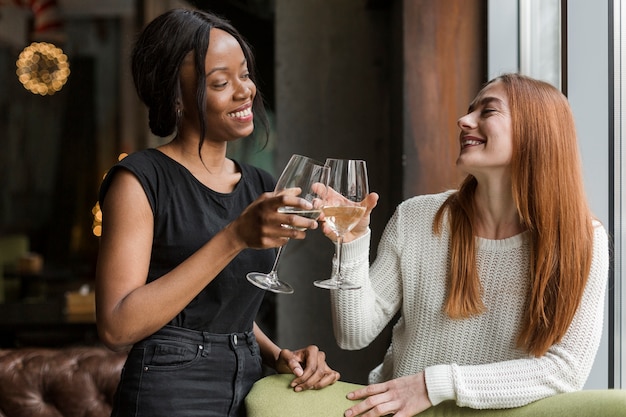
(242, 113)
(471, 142)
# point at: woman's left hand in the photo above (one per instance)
(309, 366)
(401, 397)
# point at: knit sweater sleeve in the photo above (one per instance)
(565, 367)
(360, 315)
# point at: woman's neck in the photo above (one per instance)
(495, 213)
(211, 167)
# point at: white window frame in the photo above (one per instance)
(619, 229)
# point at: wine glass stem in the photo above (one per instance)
(272, 274)
(338, 244)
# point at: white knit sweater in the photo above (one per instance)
(473, 361)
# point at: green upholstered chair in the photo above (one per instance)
(272, 397)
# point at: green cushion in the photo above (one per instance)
(272, 397)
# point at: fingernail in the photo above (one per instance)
(348, 413)
(298, 389)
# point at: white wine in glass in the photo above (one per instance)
(347, 188)
(306, 178)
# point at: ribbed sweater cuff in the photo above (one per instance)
(354, 250)
(439, 383)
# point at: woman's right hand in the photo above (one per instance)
(362, 226)
(261, 226)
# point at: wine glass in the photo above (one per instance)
(304, 177)
(347, 188)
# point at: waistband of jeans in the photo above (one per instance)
(199, 337)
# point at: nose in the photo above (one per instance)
(244, 90)
(466, 122)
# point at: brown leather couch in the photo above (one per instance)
(67, 382)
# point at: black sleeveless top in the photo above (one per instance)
(187, 214)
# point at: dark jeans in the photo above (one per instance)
(185, 373)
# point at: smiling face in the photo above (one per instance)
(486, 135)
(229, 90)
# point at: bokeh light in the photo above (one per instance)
(96, 227)
(42, 68)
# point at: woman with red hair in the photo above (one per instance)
(499, 285)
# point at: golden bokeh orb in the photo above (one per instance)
(42, 68)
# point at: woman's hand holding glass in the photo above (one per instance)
(305, 178)
(361, 228)
(261, 226)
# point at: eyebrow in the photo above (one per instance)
(485, 101)
(216, 69)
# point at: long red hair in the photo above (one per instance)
(549, 194)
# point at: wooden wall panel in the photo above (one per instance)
(444, 45)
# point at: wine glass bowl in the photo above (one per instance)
(341, 219)
(347, 188)
(306, 178)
